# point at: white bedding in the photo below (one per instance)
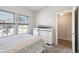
(21, 43)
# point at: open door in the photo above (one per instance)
(75, 29)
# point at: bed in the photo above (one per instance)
(22, 43)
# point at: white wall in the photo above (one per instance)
(48, 16)
(23, 11)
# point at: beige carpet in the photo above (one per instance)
(57, 49)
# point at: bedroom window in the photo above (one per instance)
(7, 23)
(22, 24)
(11, 23)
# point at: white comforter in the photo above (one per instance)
(17, 43)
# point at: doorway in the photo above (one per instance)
(64, 29)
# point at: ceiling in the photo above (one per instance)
(36, 8)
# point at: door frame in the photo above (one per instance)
(73, 30)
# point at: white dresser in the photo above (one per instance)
(47, 35)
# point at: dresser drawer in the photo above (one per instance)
(47, 36)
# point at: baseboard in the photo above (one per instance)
(65, 38)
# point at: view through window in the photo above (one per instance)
(8, 24)
(22, 24)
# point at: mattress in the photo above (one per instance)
(22, 43)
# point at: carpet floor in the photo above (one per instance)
(57, 49)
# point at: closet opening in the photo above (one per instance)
(64, 25)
